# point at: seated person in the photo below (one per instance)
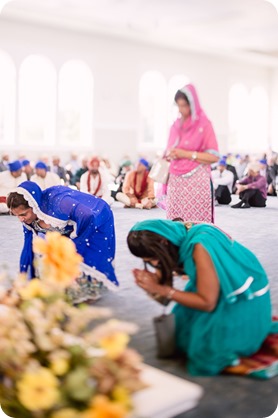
(75, 179)
(231, 168)
(43, 177)
(27, 168)
(125, 167)
(224, 311)
(252, 189)
(138, 188)
(271, 175)
(222, 180)
(96, 180)
(9, 180)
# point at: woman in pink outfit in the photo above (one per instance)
(192, 148)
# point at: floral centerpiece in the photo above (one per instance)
(58, 360)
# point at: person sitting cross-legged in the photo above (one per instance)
(222, 180)
(252, 189)
(138, 188)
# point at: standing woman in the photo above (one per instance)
(192, 148)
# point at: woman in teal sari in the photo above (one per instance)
(224, 312)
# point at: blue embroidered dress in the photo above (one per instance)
(86, 219)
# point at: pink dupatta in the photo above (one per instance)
(194, 134)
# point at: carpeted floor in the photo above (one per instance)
(224, 396)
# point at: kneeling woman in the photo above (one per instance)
(224, 312)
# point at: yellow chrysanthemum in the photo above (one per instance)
(122, 396)
(102, 407)
(38, 390)
(66, 413)
(34, 289)
(60, 261)
(59, 366)
(114, 344)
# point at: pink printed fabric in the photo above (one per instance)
(190, 198)
(194, 134)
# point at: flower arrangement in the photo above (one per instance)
(58, 360)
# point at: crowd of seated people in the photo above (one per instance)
(128, 182)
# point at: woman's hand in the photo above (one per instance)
(146, 280)
(176, 153)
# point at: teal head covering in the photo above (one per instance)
(174, 232)
(237, 268)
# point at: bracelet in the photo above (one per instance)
(171, 293)
(194, 156)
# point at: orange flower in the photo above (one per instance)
(60, 261)
(102, 407)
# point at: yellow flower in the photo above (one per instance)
(114, 344)
(60, 261)
(38, 390)
(66, 413)
(122, 396)
(59, 366)
(102, 407)
(34, 289)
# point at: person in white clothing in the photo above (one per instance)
(96, 181)
(222, 180)
(9, 180)
(45, 178)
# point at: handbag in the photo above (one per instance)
(164, 326)
(160, 171)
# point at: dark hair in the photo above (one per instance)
(147, 244)
(180, 95)
(14, 200)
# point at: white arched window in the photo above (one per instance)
(7, 99)
(238, 110)
(153, 108)
(175, 83)
(258, 122)
(37, 101)
(248, 119)
(75, 104)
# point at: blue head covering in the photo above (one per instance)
(15, 165)
(41, 164)
(263, 161)
(222, 162)
(144, 162)
(25, 162)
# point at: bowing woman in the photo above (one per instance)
(224, 312)
(87, 220)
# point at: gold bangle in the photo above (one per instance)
(171, 293)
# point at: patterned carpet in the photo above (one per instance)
(224, 396)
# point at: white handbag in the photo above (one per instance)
(160, 171)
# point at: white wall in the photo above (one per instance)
(117, 66)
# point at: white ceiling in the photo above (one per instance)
(242, 27)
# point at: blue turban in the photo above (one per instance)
(222, 162)
(41, 164)
(144, 162)
(263, 161)
(25, 162)
(15, 165)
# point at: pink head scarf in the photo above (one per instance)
(195, 133)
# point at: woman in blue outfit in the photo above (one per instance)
(224, 312)
(87, 220)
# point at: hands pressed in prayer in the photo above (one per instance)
(147, 280)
